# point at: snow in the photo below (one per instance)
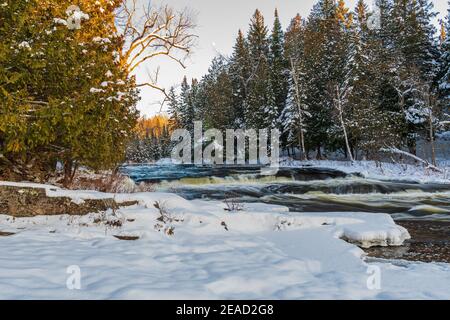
(444, 135)
(96, 90)
(24, 45)
(267, 253)
(60, 21)
(101, 40)
(78, 15)
(417, 115)
(380, 171)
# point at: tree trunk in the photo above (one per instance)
(302, 144)
(298, 101)
(412, 147)
(341, 119)
(69, 172)
(319, 152)
(433, 147)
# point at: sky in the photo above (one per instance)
(218, 22)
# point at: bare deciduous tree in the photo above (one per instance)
(340, 99)
(301, 112)
(152, 32)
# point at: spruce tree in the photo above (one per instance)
(186, 106)
(371, 127)
(258, 95)
(239, 71)
(174, 110)
(278, 72)
(295, 111)
(217, 97)
(444, 74)
(319, 57)
(413, 35)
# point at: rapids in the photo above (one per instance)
(304, 189)
(424, 209)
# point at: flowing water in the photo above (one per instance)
(424, 209)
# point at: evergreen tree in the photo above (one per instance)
(65, 97)
(413, 37)
(320, 54)
(294, 39)
(186, 108)
(444, 74)
(258, 95)
(217, 97)
(340, 80)
(278, 73)
(370, 126)
(174, 110)
(295, 112)
(239, 70)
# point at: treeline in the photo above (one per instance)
(343, 80)
(151, 142)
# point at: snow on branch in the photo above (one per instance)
(394, 150)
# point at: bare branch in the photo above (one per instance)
(151, 32)
(395, 150)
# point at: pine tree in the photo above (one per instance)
(444, 74)
(258, 95)
(194, 101)
(278, 72)
(385, 58)
(294, 39)
(174, 110)
(239, 70)
(414, 35)
(295, 111)
(370, 126)
(217, 100)
(321, 52)
(351, 79)
(186, 105)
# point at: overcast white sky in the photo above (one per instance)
(218, 22)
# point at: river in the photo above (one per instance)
(424, 209)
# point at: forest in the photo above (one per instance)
(353, 81)
(356, 82)
(68, 90)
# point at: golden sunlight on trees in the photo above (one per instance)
(154, 126)
(151, 140)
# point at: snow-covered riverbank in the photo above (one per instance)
(380, 170)
(198, 250)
